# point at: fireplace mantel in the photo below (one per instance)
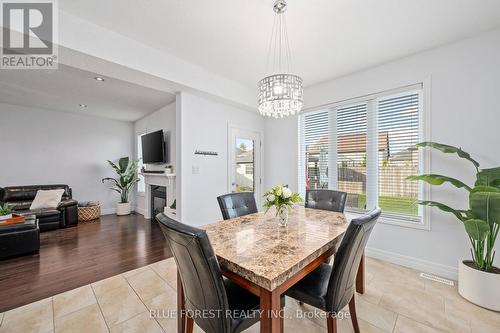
(160, 179)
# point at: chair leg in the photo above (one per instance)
(282, 320)
(189, 324)
(331, 323)
(354, 318)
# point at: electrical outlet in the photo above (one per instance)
(195, 169)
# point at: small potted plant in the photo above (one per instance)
(281, 197)
(478, 279)
(127, 178)
(5, 211)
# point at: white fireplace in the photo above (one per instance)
(167, 180)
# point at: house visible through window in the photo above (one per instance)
(245, 160)
(351, 154)
(398, 123)
(316, 150)
(366, 148)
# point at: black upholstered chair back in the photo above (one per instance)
(200, 273)
(326, 200)
(342, 284)
(237, 204)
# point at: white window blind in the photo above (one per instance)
(315, 150)
(398, 127)
(369, 147)
(351, 154)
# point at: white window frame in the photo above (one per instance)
(234, 130)
(423, 88)
(139, 156)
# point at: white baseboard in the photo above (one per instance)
(140, 211)
(421, 265)
(111, 211)
(108, 211)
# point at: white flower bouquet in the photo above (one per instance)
(281, 197)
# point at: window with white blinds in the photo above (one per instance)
(366, 148)
(351, 154)
(398, 127)
(315, 150)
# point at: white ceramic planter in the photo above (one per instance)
(478, 287)
(123, 208)
(5, 217)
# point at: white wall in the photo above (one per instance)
(203, 124)
(464, 100)
(163, 119)
(281, 154)
(49, 147)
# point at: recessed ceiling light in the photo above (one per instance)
(83, 105)
(99, 78)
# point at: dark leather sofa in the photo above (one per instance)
(21, 197)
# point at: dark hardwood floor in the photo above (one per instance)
(73, 257)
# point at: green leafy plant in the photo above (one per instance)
(281, 196)
(127, 177)
(5, 209)
(482, 219)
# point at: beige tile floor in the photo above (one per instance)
(396, 300)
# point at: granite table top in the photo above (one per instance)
(256, 248)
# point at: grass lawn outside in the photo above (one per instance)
(403, 205)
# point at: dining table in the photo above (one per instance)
(267, 259)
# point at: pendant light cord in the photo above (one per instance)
(279, 46)
(287, 47)
(280, 20)
(270, 45)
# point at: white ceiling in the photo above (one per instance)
(329, 38)
(66, 88)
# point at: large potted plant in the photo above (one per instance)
(127, 178)
(478, 279)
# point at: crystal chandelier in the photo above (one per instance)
(280, 95)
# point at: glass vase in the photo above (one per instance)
(282, 216)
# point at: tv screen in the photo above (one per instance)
(153, 150)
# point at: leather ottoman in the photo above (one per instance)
(18, 239)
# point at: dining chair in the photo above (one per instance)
(237, 204)
(206, 291)
(331, 287)
(326, 200)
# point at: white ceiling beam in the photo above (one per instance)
(80, 39)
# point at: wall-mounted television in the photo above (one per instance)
(153, 148)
